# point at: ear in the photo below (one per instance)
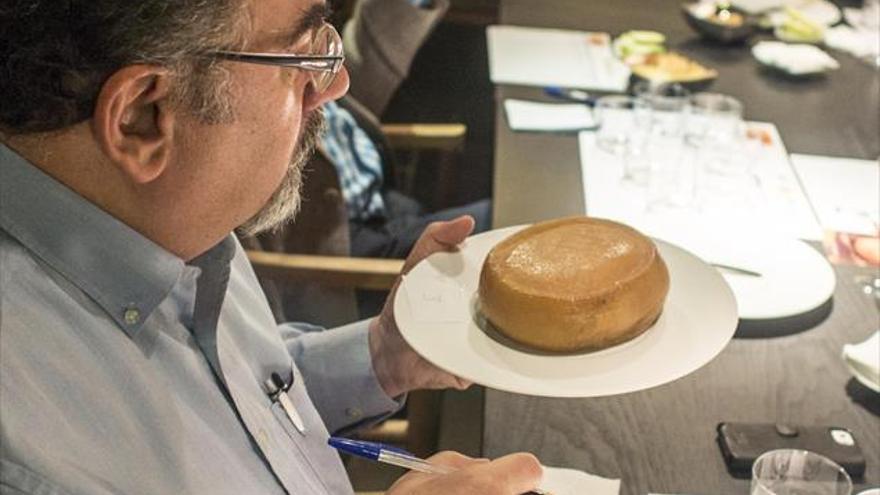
(134, 121)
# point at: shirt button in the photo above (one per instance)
(353, 412)
(132, 316)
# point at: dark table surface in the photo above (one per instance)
(663, 439)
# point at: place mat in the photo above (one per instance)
(554, 57)
(776, 206)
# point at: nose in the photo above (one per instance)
(336, 90)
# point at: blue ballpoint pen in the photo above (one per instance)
(389, 454)
(574, 95)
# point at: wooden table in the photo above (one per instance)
(663, 440)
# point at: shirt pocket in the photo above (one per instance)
(323, 460)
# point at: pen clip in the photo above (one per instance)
(277, 389)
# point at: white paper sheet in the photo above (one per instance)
(554, 57)
(776, 203)
(535, 116)
(844, 192)
(562, 481)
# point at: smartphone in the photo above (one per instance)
(742, 443)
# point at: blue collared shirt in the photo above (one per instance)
(125, 370)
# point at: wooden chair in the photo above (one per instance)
(309, 276)
(479, 12)
(306, 267)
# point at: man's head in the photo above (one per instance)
(56, 55)
(126, 104)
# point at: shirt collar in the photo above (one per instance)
(127, 274)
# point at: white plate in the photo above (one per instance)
(795, 277)
(434, 309)
(794, 59)
(820, 12)
(860, 360)
(864, 380)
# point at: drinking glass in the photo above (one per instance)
(715, 127)
(616, 122)
(714, 118)
(671, 164)
(798, 472)
(672, 172)
(623, 124)
(667, 104)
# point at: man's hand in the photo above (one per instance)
(509, 475)
(398, 367)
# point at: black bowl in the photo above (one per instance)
(716, 31)
(692, 85)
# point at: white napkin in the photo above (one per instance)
(861, 43)
(796, 59)
(563, 481)
(863, 361)
(534, 116)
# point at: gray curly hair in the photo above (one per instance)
(56, 54)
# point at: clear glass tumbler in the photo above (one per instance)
(714, 119)
(798, 472)
(668, 105)
(616, 122)
(623, 125)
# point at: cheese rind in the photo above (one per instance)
(573, 284)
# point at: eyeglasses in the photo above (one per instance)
(323, 64)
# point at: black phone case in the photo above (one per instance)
(742, 443)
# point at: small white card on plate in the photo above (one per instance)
(440, 301)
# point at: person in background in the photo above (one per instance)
(137, 351)
(382, 222)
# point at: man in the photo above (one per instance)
(384, 36)
(137, 354)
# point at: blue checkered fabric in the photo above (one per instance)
(357, 161)
(356, 158)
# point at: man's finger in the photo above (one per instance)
(439, 236)
(519, 472)
(452, 459)
(453, 232)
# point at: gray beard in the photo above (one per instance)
(285, 201)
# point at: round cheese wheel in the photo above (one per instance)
(573, 284)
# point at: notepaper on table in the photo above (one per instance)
(554, 57)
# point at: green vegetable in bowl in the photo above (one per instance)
(798, 28)
(632, 43)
